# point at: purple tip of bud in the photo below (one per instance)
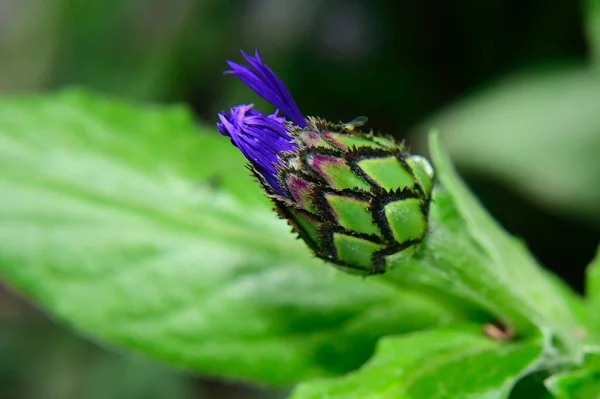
(259, 137)
(266, 84)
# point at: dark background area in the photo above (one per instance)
(398, 62)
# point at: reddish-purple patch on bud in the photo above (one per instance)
(335, 139)
(312, 139)
(335, 171)
(300, 191)
(323, 164)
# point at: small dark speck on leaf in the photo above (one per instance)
(211, 183)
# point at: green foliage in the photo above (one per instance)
(469, 256)
(538, 132)
(444, 363)
(582, 383)
(136, 228)
(141, 230)
(593, 292)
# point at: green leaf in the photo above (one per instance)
(467, 255)
(593, 291)
(538, 132)
(582, 383)
(141, 230)
(443, 363)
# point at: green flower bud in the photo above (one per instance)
(353, 197)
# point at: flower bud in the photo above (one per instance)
(352, 196)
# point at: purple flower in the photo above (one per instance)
(266, 84)
(259, 137)
(262, 138)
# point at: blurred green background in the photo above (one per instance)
(510, 83)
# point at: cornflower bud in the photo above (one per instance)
(352, 196)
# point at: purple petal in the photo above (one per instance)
(259, 137)
(266, 84)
